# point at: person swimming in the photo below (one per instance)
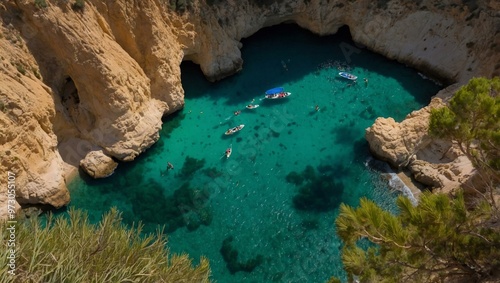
(169, 166)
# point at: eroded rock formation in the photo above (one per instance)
(99, 78)
(98, 165)
(436, 163)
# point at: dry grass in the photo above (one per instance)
(73, 250)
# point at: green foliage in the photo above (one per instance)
(36, 73)
(438, 238)
(40, 4)
(472, 120)
(78, 5)
(20, 68)
(180, 5)
(73, 250)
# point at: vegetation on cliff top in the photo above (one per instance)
(442, 238)
(472, 121)
(73, 250)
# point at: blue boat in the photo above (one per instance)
(348, 76)
(274, 90)
(276, 93)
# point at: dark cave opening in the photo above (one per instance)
(69, 95)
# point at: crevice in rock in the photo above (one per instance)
(69, 97)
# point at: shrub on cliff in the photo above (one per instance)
(40, 4)
(78, 5)
(73, 250)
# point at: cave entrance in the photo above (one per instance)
(69, 94)
(274, 55)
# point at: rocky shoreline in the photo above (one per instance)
(89, 86)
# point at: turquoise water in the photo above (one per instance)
(275, 200)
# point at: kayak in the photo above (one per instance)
(234, 130)
(348, 76)
(229, 151)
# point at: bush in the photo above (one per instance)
(20, 68)
(73, 250)
(40, 4)
(79, 5)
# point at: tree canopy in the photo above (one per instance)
(472, 120)
(438, 239)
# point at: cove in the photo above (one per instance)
(267, 213)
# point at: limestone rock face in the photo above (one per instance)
(396, 142)
(426, 174)
(98, 165)
(416, 33)
(445, 176)
(100, 79)
(433, 162)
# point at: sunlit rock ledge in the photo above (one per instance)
(99, 78)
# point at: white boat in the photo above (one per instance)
(252, 106)
(277, 93)
(348, 76)
(234, 130)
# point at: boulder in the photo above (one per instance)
(98, 165)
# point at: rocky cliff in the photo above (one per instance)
(87, 82)
(436, 163)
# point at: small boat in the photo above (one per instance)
(348, 76)
(252, 106)
(277, 93)
(228, 152)
(234, 130)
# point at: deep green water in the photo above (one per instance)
(287, 228)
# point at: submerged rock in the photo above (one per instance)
(230, 256)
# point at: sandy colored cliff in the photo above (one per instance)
(89, 86)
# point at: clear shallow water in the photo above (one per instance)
(248, 196)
